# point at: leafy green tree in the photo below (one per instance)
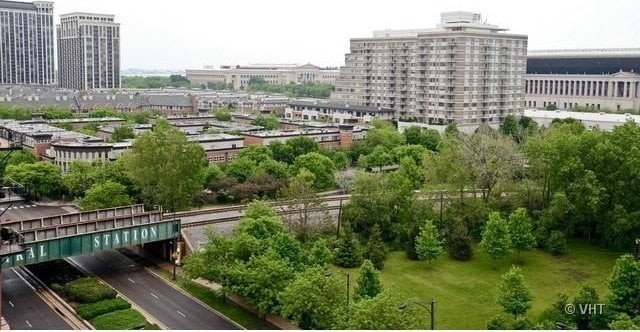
(521, 231)
(313, 299)
(222, 115)
(282, 152)
(319, 254)
(378, 158)
(459, 245)
(168, 169)
(622, 321)
(509, 126)
(105, 195)
(451, 129)
(302, 198)
(41, 177)
(269, 122)
(557, 312)
(348, 251)
(302, 145)
(320, 166)
(122, 133)
(587, 296)
(241, 168)
(495, 237)
(557, 243)
(55, 112)
(368, 284)
(413, 135)
(428, 242)
(514, 295)
(624, 285)
(387, 311)
(288, 248)
(376, 249)
(80, 176)
(499, 322)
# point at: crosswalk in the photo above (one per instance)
(16, 207)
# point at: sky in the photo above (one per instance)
(160, 34)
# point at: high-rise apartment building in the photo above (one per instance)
(88, 51)
(464, 71)
(26, 42)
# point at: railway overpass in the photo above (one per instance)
(54, 237)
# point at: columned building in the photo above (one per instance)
(600, 79)
(464, 71)
(88, 51)
(26, 42)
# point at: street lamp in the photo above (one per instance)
(430, 307)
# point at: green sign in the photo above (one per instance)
(47, 250)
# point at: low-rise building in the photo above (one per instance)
(335, 112)
(238, 77)
(329, 137)
(219, 148)
(601, 120)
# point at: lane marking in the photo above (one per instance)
(133, 282)
(11, 304)
(154, 295)
(28, 324)
(21, 206)
(181, 314)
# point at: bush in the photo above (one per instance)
(522, 323)
(93, 310)
(499, 322)
(459, 247)
(56, 287)
(127, 319)
(557, 243)
(88, 290)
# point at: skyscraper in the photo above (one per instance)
(464, 71)
(88, 51)
(26, 42)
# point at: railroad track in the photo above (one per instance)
(187, 224)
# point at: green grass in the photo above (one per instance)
(465, 292)
(92, 310)
(214, 300)
(119, 320)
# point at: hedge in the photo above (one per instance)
(127, 319)
(93, 310)
(88, 290)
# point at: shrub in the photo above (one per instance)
(499, 322)
(127, 319)
(88, 290)
(149, 326)
(459, 247)
(557, 243)
(93, 310)
(56, 287)
(522, 323)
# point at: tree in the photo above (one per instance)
(376, 250)
(268, 122)
(313, 299)
(387, 311)
(451, 129)
(557, 243)
(428, 243)
(222, 115)
(41, 177)
(348, 251)
(368, 283)
(624, 285)
(514, 295)
(282, 152)
(499, 322)
(622, 321)
(521, 231)
(319, 254)
(168, 169)
(320, 166)
(378, 158)
(495, 237)
(105, 195)
(122, 133)
(413, 135)
(509, 126)
(459, 245)
(303, 199)
(586, 297)
(302, 145)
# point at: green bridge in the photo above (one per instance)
(48, 238)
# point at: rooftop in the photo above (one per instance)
(586, 52)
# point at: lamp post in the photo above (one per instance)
(430, 307)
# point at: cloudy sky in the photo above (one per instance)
(193, 33)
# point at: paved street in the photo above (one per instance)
(28, 210)
(24, 309)
(168, 305)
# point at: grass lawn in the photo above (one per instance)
(465, 292)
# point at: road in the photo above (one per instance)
(168, 305)
(27, 210)
(24, 309)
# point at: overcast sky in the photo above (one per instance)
(193, 33)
